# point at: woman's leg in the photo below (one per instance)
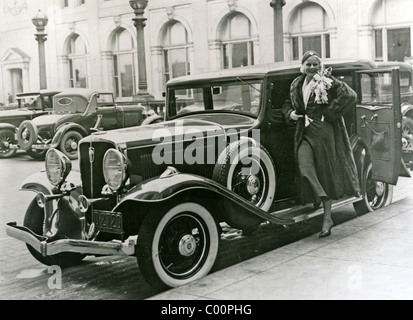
(327, 220)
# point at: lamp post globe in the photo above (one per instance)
(138, 4)
(40, 21)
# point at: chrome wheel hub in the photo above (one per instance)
(253, 185)
(187, 245)
(380, 188)
(25, 134)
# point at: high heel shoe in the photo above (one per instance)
(324, 234)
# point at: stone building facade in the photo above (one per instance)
(93, 43)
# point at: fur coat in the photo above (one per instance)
(340, 98)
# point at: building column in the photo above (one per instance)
(215, 55)
(278, 5)
(365, 44)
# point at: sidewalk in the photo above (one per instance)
(370, 257)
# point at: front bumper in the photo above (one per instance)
(40, 244)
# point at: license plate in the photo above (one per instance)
(108, 221)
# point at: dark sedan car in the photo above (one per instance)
(165, 192)
(29, 105)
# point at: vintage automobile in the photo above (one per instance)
(165, 193)
(77, 112)
(29, 106)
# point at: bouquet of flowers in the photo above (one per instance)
(322, 83)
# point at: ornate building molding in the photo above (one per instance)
(170, 12)
(232, 5)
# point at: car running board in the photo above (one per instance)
(303, 213)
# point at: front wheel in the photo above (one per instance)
(33, 220)
(6, 139)
(177, 246)
(377, 194)
(70, 143)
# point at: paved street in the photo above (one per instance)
(22, 277)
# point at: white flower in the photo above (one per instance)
(322, 83)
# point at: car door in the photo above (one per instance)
(378, 121)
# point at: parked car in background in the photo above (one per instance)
(29, 105)
(224, 156)
(77, 112)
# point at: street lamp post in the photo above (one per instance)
(40, 22)
(278, 5)
(139, 7)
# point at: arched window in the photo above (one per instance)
(175, 51)
(392, 23)
(308, 29)
(237, 46)
(123, 64)
(78, 63)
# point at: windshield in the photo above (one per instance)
(105, 99)
(237, 97)
(32, 102)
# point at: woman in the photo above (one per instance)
(322, 147)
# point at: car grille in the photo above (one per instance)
(142, 166)
(92, 172)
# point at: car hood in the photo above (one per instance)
(52, 119)
(177, 130)
(15, 113)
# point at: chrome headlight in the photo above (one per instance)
(114, 169)
(58, 166)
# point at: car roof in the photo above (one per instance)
(257, 71)
(402, 65)
(40, 92)
(81, 92)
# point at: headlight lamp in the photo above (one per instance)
(58, 166)
(114, 169)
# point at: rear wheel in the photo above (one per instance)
(177, 246)
(6, 139)
(377, 194)
(70, 144)
(33, 220)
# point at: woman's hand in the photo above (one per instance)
(294, 116)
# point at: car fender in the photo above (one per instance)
(57, 138)
(8, 126)
(406, 107)
(172, 184)
(38, 182)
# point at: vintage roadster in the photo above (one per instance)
(222, 157)
(29, 106)
(77, 112)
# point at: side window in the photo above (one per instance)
(279, 100)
